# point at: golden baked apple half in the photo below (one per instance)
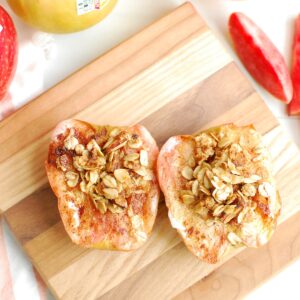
(105, 182)
(219, 190)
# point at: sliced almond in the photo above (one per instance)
(101, 161)
(233, 239)
(111, 156)
(226, 177)
(121, 145)
(72, 179)
(241, 215)
(236, 148)
(214, 136)
(122, 175)
(210, 202)
(248, 229)
(92, 144)
(141, 171)
(108, 143)
(101, 205)
(85, 154)
(70, 143)
(236, 179)
(225, 142)
(259, 150)
(103, 174)
(120, 188)
(121, 202)
(252, 179)
(144, 158)
(195, 187)
(60, 165)
(93, 176)
(266, 189)
(72, 183)
(204, 190)
(217, 183)
(221, 195)
(135, 143)
(218, 210)
(79, 149)
(110, 193)
(232, 168)
(132, 157)
(207, 183)
(115, 209)
(231, 198)
(187, 172)
(72, 175)
(196, 171)
(229, 217)
(129, 164)
(200, 174)
(209, 173)
(110, 182)
(77, 165)
(115, 132)
(192, 162)
(229, 209)
(249, 190)
(149, 175)
(83, 187)
(185, 192)
(210, 222)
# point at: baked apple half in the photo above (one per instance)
(105, 182)
(219, 190)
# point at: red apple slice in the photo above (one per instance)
(8, 51)
(260, 57)
(105, 182)
(294, 106)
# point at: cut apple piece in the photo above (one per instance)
(260, 57)
(105, 182)
(8, 51)
(219, 190)
(294, 106)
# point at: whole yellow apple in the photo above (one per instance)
(62, 16)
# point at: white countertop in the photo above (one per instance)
(275, 17)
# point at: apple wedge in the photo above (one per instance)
(294, 105)
(8, 51)
(260, 57)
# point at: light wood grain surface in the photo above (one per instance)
(174, 77)
(251, 268)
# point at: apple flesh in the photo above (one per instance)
(58, 16)
(8, 51)
(260, 57)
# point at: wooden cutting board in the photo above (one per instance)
(173, 77)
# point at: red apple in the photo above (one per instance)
(8, 51)
(260, 57)
(294, 106)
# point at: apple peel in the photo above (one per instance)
(294, 105)
(8, 51)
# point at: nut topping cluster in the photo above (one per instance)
(109, 171)
(228, 179)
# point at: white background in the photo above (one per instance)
(276, 17)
